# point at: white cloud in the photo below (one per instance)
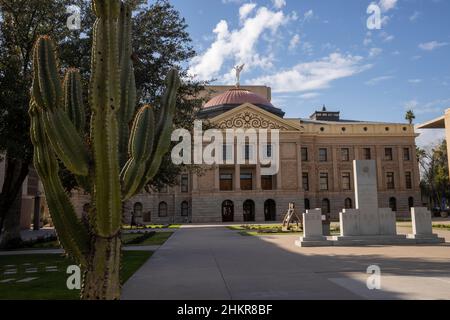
(309, 95)
(245, 10)
(387, 37)
(432, 45)
(308, 15)
(387, 5)
(436, 106)
(375, 81)
(414, 16)
(315, 75)
(278, 4)
(429, 138)
(238, 45)
(295, 40)
(415, 81)
(373, 52)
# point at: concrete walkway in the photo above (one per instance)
(212, 262)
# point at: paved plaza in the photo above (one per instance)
(213, 262)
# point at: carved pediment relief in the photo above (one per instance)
(248, 120)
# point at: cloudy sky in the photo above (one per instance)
(315, 52)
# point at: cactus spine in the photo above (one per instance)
(102, 166)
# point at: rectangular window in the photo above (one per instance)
(390, 183)
(246, 181)
(305, 179)
(345, 154)
(248, 152)
(227, 152)
(305, 154)
(323, 155)
(268, 151)
(226, 182)
(388, 156)
(408, 178)
(267, 182)
(323, 181)
(367, 154)
(184, 183)
(406, 154)
(346, 181)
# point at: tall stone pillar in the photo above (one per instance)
(258, 177)
(447, 133)
(216, 178)
(237, 177)
(299, 168)
(401, 171)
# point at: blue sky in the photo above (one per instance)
(315, 52)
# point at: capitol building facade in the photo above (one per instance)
(315, 166)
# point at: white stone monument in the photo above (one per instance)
(367, 224)
(312, 230)
(423, 227)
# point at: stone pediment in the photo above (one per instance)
(249, 116)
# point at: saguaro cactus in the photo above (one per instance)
(57, 132)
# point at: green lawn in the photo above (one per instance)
(441, 226)
(52, 285)
(269, 229)
(154, 226)
(158, 238)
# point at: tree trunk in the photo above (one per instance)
(10, 238)
(16, 170)
(102, 276)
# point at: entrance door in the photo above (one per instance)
(228, 211)
(249, 211)
(270, 213)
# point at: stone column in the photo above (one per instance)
(335, 158)
(299, 168)
(258, 177)
(237, 177)
(216, 178)
(447, 133)
(279, 186)
(379, 154)
(194, 183)
(401, 185)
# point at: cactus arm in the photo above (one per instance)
(127, 82)
(73, 99)
(164, 128)
(104, 96)
(47, 95)
(74, 236)
(141, 148)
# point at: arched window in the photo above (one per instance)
(326, 208)
(410, 202)
(270, 210)
(348, 203)
(162, 209)
(184, 209)
(249, 210)
(393, 204)
(307, 204)
(137, 209)
(227, 211)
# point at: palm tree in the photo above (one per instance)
(410, 116)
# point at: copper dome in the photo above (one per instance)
(236, 97)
